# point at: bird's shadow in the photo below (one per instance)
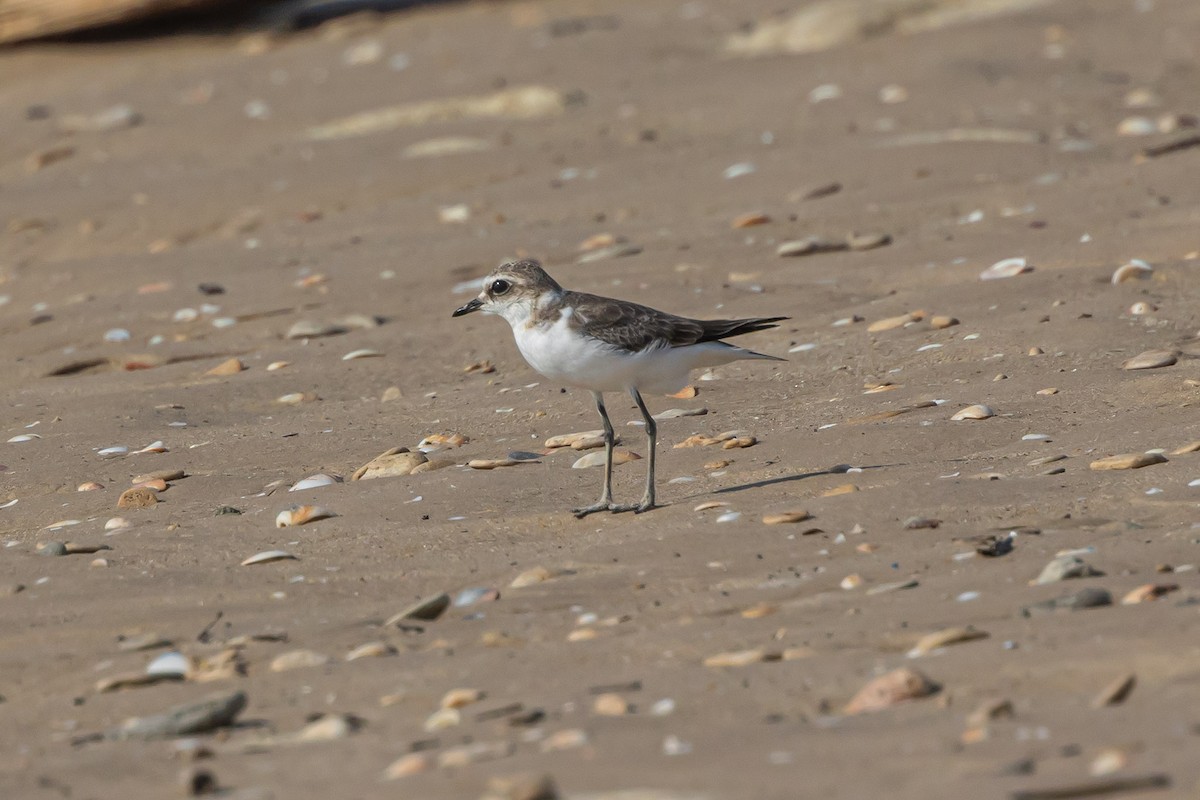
(840, 469)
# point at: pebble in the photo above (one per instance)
(427, 609)
(371, 650)
(1091, 597)
(301, 515)
(159, 475)
(1152, 359)
(1116, 692)
(196, 781)
(494, 463)
(1064, 568)
(868, 241)
(1108, 761)
(940, 321)
(1136, 126)
(298, 659)
(137, 497)
(267, 556)
(978, 411)
(1006, 268)
(620, 456)
(212, 712)
(786, 517)
(1047, 391)
(52, 549)
(231, 367)
(1148, 592)
(1134, 270)
(887, 690)
(1128, 461)
(851, 582)
(943, 638)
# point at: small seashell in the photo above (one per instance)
(1047, 391)
(117, 524)
(410, 764)
(277, 365)
(611, 704)
(23, 437)
(298, 659)
(887, 690)
(308, 329)
(709, 504)
(740, 658)
(137, 497)
(1148, 592)
(458, 698)
(851, 582)
(154, 447)
(730, 516)
(231, 367)
(89, 486)
(811, 245)
(1128, 461)
(443, 718)
(1007, 268)
(438, 441)
(891, 323)
(599, 240)
(868, 241)
(978, 411)
(300, 515)
(786, 517)
(371, 650)
(749, 220)
(110, 452)
(296, 398)
(940, 321)
(1142, 308)
(427, 608)
(391, 463)
(620, 456)
(172, 664)
(314, 482)
(1152, 359)
(363, 353)
(530, 577)
(570, 439)
(1134, 270)
(947, 636)
(267, 556)
(1136, 126)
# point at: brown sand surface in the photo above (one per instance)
(221, 181)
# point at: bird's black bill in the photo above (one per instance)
(468, 308)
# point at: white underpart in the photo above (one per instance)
(562, 353)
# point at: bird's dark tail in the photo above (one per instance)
(717, 329)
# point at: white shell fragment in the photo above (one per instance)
(977, 411)
(314, 482)
(267, 556)
(173, 664)
(364, 353)
(620, 456)
(1152, 359)
(1007, 268)
(112, 452)
(299, 515)
(1134, 270)
(23, 437)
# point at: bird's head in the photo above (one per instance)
(513, 291)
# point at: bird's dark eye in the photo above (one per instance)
(500, 287)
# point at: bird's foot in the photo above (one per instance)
(603, 505)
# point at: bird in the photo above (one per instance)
(602, 344)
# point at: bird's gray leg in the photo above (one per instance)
(610, 437)
(651, 444)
